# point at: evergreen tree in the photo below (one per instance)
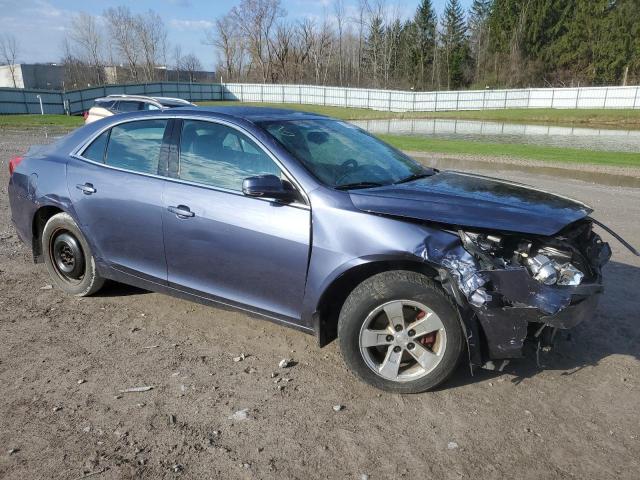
(424, 43)
(406, 74)
(478, 27)
(395, 66)
(374, 50)
(455, 44)
(617, 56)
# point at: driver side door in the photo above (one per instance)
(239, 250)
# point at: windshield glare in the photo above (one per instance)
(340, 154)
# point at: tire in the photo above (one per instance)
(68, 257)
(366, 325)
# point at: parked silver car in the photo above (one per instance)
(112, 104)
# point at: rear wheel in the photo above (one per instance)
(68, 257)
(400, 332)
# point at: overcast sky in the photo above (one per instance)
(40, 25)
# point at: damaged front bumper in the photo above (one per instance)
(500, 299)
(505, 322)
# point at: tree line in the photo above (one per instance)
(497, 43)
(123, 47)
(368, 43)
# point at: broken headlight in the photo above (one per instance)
(552, 267)
(543, 269)
(570, 275)
(546, 264)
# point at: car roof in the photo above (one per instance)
(253, 114)
(162, 101)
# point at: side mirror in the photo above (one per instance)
(268, 186)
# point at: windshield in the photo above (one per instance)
(342, 155)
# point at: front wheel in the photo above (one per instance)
(68, 257)
(400, 332)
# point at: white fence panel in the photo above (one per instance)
(618, 97)
(592, 97)
(20, 101)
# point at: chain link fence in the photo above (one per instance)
(77, 101)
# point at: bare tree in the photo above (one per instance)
(281, 46)
(9, 54)
(255, 19)
(74, 68)
(152, 36)
(321, 50)
(339, 12)
(226, 38)
(301, 49)
(177, 60)
(361, 21)
(191, 65)
(139, 40)
(122, 28)
(88, 42)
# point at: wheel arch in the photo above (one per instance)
(40, 218)
(325, 318)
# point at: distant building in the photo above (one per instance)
(115, 74)
(37, 75)
(69, 77)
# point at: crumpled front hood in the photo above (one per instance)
(473, 201)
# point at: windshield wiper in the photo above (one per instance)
(349, 186)
(415, 176)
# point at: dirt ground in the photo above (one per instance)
(64, 361)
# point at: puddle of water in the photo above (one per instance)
(495, 132)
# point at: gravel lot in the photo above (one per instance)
(64, 361)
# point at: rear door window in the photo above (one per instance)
(136, 145)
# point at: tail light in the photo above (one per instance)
(85, 114)
(13, 163)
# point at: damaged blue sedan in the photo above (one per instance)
(316, 224)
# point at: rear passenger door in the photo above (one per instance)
(236, 249)
(116, 189)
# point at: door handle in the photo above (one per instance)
(181, 211)
(86, 188)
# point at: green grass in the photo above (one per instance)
(627, 119)
(528, 152)
(27, 121)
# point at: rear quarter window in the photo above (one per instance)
(95, 151)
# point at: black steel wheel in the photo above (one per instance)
(68, 257)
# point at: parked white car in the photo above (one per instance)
(112, 104)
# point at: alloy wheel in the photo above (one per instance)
(402, 340)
